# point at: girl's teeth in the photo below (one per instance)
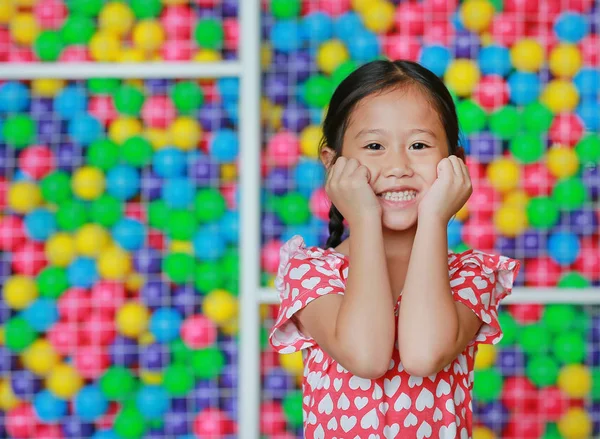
(399, 196)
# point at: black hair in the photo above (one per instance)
(376, 77)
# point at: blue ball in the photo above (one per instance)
(364, 46)
(435, 58)
(564, 247)
(589, 112)
(178, 192)
(82, 273)
(454, 233)
(41, 314)
(308, 232)
(90, 404)
(84, 129)
(48, 407)
(229, 89)
(224, 146)
(495, 60)
(571, 27)
(14, 97)
(347, 25)
(169, 162)
(318, 27)
(524, 87)
(309, 175)
(587, 82)
(232, 111)
(286, 36)
(70, 102)
(129, 234)
(123, 182)
(152, 401)
(106, 434)
(209, 245)
(229, 226)
(165, 324)
(40, 224)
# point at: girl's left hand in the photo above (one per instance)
(449, 192)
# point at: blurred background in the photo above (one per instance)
(137, 264)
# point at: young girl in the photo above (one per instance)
(389, 320)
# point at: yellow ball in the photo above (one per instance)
(275, 117)
(292, 363)
(116, 17)
(575, 424)
(105, 47)
(330, 55)
(207, 55)
(560, 95)
(486, 356)
(123, 128)
(131, 55)
(20, 291)
(527, 55)
(220, 306)
(181, 247)
(228, 172)
(24, 196)
(148, 35)
(114, 263)
(158, 137)
(88, 183)
(504, 174)
(575, 380)
(483, 433)
(146, 338)
(40, 357)
(360, 5)
(517, 198)
(562, 161)
(8, 399)
(134, 282)
(25, 3)
(151, 378)
(24, 28)
(462, 76)
(271, 282)
(64, 381)
(91, 239)
(175, 2)
(565, 60)
(510, 220)
(378, 16)
(266, 56)
(310, 138)
(60, 249)
(463, 213)
(7, 9)
(47, 88)
(231, 327)
(132, 319)
(185, 133)
(476, 15)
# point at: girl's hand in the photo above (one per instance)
(449, 192)
(349, 190)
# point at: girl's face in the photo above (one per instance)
(399, 137)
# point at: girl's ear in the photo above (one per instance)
(327, 155)
(460, 153)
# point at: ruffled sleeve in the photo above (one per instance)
(304, 274)
(480, 281)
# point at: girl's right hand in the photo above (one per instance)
(349, 190)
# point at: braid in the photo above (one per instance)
(336, 227)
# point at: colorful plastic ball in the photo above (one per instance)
(317, 26)
(519, 395)
(575, 380)
(435, 58)
(123, 182)
(152, 401)
(187, 96)
(132, 319)
(587, 81)
(15, 97)
(527, 55)
(90, 403)
(117, 383)
(169, 162)
(40, 357)
(571, 27)
(503, 174)
(24, 196)
(524, 87)
(492, 92)
(165, 324)
(536, 118)
(575, 424)
(198, 332)
(563, 247)
(567, 129)
(494, 60)
(527, 148)
(209, 33)
(510, 220)
(363, 46)
(19, 292)
(130, 423)
(560, 95)
(283, 149)
(212, 422)
(462, 76)
(179, 267)
(37, 161)
(331, 55)
(220, 306)
(378, 16)
(88, 183)
(41, 314)
(18, 131)
(64, 381)
(129, 234)
(562, 162)
(505, 122)
(565, 60)
(486, 357)
(542, 213)
(488, 385)
(476, 15)
(208, 244)
(570, 194)
(269, 256)
(587, 112)
(542, 370)
(48, 407)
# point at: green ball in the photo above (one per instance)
(583, 322)
(342, 71)
(78, 30)
(559, 318)
(48, 45)
(56, 187)
(505, 122)
(118, 383)
(158, 214)
(471, 116)
(18, 334)
(498, 5)
(181, 225)
(317, 91)
(179, 267)
(264, 338)
(18, 131)
(103, 154)
(129, 100)
(143, 9)
(52, 282)
(537, 118)
(588, 150)
(271, 203)
(180, 353)
(210, 205)
(130, 423)
(527, 148)
(88, 8)
(461, 247)
(208, 276)
(510, 329)
(570, 194)
(71, 215)
(552, 432)
(207, 363)
(569, 347)
(542, 370)
(282, 9)
(187, 96)
(487, 385)
(542, 213)
(178, 379)
(106, 210)
(230, 263)
(293, 209)
(137, 151)
(574, 280)
(292, 408)
(595, 393)
(103, 86)
(209, 33)
(535, 339)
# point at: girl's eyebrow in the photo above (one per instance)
(382, 131)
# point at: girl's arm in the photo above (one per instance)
(357, 329)
(432, 327)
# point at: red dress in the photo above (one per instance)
(338, 404)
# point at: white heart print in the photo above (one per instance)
(319, 432)
(357, 382)
(360, 403)
(337, 384)
(370, 420)
(332, 424)
(468, 294)
(326, 405)
(424, 400)
(309, 284)
(424, 430)
(443, 388)
(343, 402)
(391, 431)
(448, 432)
(403, 402)
(437, 414)
(410, 420)
(391, 386)
(347, 423)
(384, 407)
(299, 272)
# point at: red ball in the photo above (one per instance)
(582, 6)
(479, 233)
(212, 423)
(136, 211)
(176, 50)
(542, 272)
(521, 6)
(589, 50)
(12, 233)
(108, 297)
(74, 305)
(50, 14)
(210, 92)
(437, 11)
(524, 427)
(3, 191)
(91, 361)
(484, 200)
(320, 204)
(334, 7)
(198, 332)
(588, 260)
(75, 54)
(18, 54)
(65, 337)
(526, 313)
(441, 32)
(268, 360)
(156, 239)
(409, 19)
(37, 161)
(399, 46)
(272, 418)
(507, 28)
(4, 44)
(519, 395)
(536, 180)
(552, 404)
(269, 256)
(544, 34)
(21, 422)
(566, 129)
(231, 30)
(49, 431)
(158, 111)
(177, 21)
(29, 258)
(491, 92)
(229, 192)
(103, 109)
(98, 330)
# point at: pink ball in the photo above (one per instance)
(588, 260)
(439, 32)
(526, 313)
(49, 431)
(50, 14)
(507, 28)
(12, 233)
(19, 54)
(269, 256)
(65, 337)
(198, 332)
(552, 404)
(320, 204)
(176, 50)
(108, 297)
(582, 6)
(103, 109)
(36, 161)
(491, 92)
(536, 180)
(21, 422)
(520, 395)
(283, 149)
(399, 46)
(334, 7)
(484, 200)
(29, 259)
(91, 361)
(4, 44)
(409, 19)
(74, 305)
(231, 29)
(212, 423)
(479, 233)
(229, 192)
(548, 10)
(542, 272)
(177, 21)
(566, 129)
(75, 54)
(272, 418)
(589, 50)
(438, 11)
(521, 6)
(158, 111)
(98, 330)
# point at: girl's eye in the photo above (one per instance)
(373, 146)
(418, 146)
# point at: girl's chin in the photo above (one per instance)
(399, 220)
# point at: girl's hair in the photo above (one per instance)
(377, 77)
